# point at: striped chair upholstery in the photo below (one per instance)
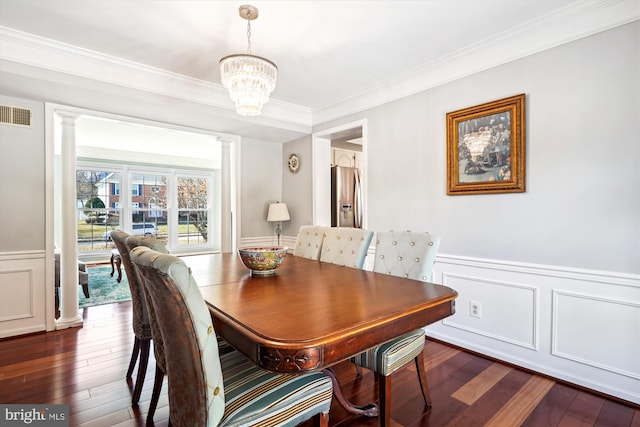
(411, 255)
(206, 386)
(141, 327)
(346, 246)
(309, 241)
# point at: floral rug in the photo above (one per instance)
(104, 289)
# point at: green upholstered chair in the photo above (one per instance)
(207, 388)
(411, 255)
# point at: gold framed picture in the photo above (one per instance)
(486, 148)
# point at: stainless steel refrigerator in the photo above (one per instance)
(346, 197)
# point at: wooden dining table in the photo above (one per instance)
(312, 315)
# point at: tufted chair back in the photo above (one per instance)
(346, 246)
(406, 254)
(142, 327)
(132, 242)
(125, 242)
(140, 317)
(158, 344)
(309, 241)
(410, 255)
(196, 391)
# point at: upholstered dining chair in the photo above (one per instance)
(132, 242)
(309, 241)
(207, 388)
(346, 246)
(141, 326)
(411, 255)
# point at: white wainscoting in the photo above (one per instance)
(288, 241)
(577, 325)
(488, 294)
(22, 293)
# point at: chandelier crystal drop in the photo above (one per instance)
(250, 79)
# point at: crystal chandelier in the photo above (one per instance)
(249, 79)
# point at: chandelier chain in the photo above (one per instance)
(249, 32)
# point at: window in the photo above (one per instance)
(102, 206)
(193, 210)
(97, 207)
(138, 188)
(149, 201)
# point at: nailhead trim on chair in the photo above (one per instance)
(411, 261)
(309, 241)
(346, 246)
(248, 395)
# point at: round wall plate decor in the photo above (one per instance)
(294, 163)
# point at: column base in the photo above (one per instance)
(64, 323)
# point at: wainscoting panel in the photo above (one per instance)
(22, 294)
(16, 295)
(577, 325)
(604, 318)
(479, 309)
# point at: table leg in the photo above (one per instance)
(369, 410)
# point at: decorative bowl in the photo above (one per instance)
(262, 260)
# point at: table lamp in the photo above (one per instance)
(277, 213)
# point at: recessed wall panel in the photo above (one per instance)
(597, 331)
(16, 295)
(508, 311)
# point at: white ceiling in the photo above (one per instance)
(328, 52)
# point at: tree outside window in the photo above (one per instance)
(193, 208)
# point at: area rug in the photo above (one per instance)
(104, 289)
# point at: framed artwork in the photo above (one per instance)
(486, 148)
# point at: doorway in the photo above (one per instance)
(328, 148)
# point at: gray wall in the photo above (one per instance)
(581, 208)
(22, 181)
(582, 204)
(296, 187)
(261, 184)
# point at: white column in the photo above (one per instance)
(225, 183)
(69, 315)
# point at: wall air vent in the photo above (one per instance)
(15, 116)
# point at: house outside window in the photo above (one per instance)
(97, 207)
(102, 206)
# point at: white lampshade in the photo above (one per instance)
(278, 212)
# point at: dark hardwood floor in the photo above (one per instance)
(85, 368)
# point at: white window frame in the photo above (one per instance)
(213, 207)
(128, 206)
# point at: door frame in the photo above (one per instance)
(321, 179)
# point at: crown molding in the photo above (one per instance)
(51, 55)
(570, 23)
(573, 22)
